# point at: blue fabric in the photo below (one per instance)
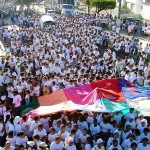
(131, 92)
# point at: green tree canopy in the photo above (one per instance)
(101, 4)
(25, 2)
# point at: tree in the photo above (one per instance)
(88, 3)
(25, 2)
(103, 4)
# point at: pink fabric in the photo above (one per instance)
(77, 94)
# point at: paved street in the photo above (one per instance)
(41, 9)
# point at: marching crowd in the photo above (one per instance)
(73, 52)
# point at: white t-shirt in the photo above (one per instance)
(12, 140)
(17, 101)
(94, 130)
(96, 148)
(73, 147)
(141, 147)
(112, 147)
(41, 133)
(22, 141)
(33, 126)
(127, 144)
(51, 137)
(104, 127)
(88, 147)
(83, 139)
(55, 146)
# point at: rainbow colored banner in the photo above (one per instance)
(108, 95)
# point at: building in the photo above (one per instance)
(141, 7)
(146, 11)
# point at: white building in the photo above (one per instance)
(138, 7)
(146, 11)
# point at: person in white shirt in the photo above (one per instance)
(57, 126)
(126, 133)
(144, 145)
(52, 135)
(57, 144)
(115, 146)
(131, 123)
(42, 146)
(82, 138)
(118, 116)
(7, 146)
(40, 131)
(63, 133)
(131, 114)
(21, 140)
(11, 138)
(134, 146)
(95, 128)
(76, 138)
(140, 119)
(89, 143)
(127, 143)
(142, 126)
(99, 145)
(105, 129)
(17, 103)
(146, 134)
(70, 145)
(34, 124)
(111, 139)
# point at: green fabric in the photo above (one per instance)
(113, 107)
(33, 105)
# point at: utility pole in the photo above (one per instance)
(119, 9)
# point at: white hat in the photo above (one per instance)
(131, 117)
(31, 143)
(99, 141)
(143, 120)
(3, 97)
(70, 140)
(140, 115)
(43, 144)
(17, 120)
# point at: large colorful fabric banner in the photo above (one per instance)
(108, 95)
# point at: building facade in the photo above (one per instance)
(138, 7)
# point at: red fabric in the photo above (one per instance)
(109, 88)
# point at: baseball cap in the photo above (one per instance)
(43, 144)
(30, 143)
(70, 140)
(99, 141)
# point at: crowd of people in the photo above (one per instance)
(73, 52)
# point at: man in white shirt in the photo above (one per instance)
(144, 145)
(57, 144)
(70, 145)
(99, 145)
(126, 145)
(7, 146)
(115, 146)
(42, 146)
(17, 103)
